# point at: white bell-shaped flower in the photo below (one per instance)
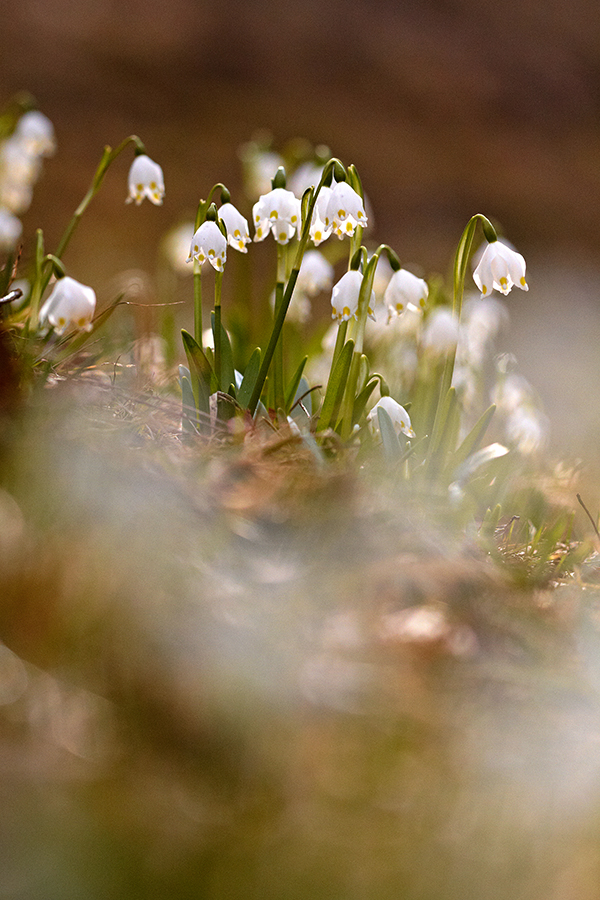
(441, 331)
(319, 231)
(36, 133)
(405, 289)
(345, 210)
(397, 413)
(344, 297)
(238, 234)
(145, 180)
(315, 275)
(278, 211)
(10, 230)
(500, 267)
(209, 243)
(70, 305)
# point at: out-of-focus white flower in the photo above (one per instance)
(405, 289)
(36, 132)
(344, 297)
(441, 331)
(500, 267)
(511, 392)
(482, 320)
(10, 230)
(14, 196)
(260, 168)
(278, 211)
(345, 210)
(209, 243)
(315, 275)
(527, 428)
(145, 180)
(71, 304)
(176, 245)
(319, 231)
(307, 174)
(236, 225)
(17, 162)
(397, 413)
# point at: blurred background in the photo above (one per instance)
(447, 107)
(258, 682)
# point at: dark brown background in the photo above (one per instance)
(447, 108)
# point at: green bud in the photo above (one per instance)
(358, 257)
(306, 200)
(225, 195)
(279, 181)
(354, 180)
(488, 230)
(211, 214)
(339, 172)
(394, 260)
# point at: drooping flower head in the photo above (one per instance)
(209, 243)
(315, 275)
(441, 331)
(236, 226)
(10, 230)
(319, 231)
(71, 304)
(398, 415)
(145, 180)
(345, 210)
(345, 294)
(278, 211)
(500, 268)
(405, 289)
(36, 133)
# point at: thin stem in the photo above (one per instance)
(217, 334)
(198, 302)
(278, 377)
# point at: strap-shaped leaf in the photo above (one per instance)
(203, 377)
(336, 387)
(189, 415)
(389, 438)
(292, 388)
(362, 400)
(227, 372)
(473, 440)
(249, 379)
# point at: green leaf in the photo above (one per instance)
(336, 387)
(391, 444)
(362, 400)
(292, 388)
(249, 379)
(203, 377)
(188, 404)
(473, 439)
(227, 372)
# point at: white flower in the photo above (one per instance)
(10, 230)
(441, 331)
(236, 225)
(145, 180)
(527, 429)
(70, 304)
(315, 275)
(344, 297)
(345, 210)
(176, 245)
(397, 413)
(278, 211)
(36, 132)
(209, 243)
(307, 174)
(319, 231)
(405, 289)
(18, 163)
(501, 268)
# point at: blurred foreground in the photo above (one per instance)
(251, 677)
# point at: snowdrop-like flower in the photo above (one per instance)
(10, 230)
(209, 243)
(344, 297)
(71, 304)
(345, 210)
(145, 180)
(176, 245)
(397, 413)
(501, 268)
(236, 225)
(278, 211)
(441, 331)
(527, 429)
(36, 132)
(319, 231)
(315, 275)
(405, 289)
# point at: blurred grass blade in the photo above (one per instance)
(336, 387)
(362, 400)
(292, 388)
(472, 441)
(249, 379)
(227, 371)
(203, 377)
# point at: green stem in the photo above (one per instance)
(278, 378)
(37, 289)
(217, 335)
(198, 302)
(287, 294)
